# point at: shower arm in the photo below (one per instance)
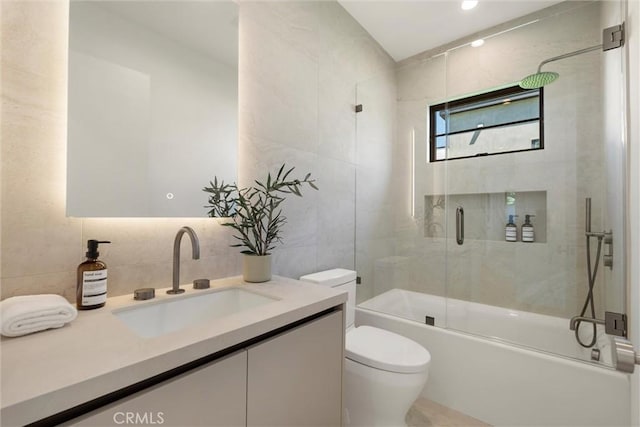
(569, 55)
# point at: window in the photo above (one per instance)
(503, 121)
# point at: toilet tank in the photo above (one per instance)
(341, 279)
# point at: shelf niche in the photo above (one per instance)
(485, 214)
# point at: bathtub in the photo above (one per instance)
(499, 382)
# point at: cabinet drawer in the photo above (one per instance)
(210, 395)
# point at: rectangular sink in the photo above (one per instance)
(169, 315)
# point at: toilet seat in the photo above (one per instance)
(385, 350)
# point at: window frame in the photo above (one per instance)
(448, 105)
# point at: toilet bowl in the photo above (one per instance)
(384, 372)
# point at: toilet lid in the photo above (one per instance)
(385, 350)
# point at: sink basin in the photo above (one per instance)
(169, 315)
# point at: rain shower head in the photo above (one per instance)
(539, 79)
(543, 78)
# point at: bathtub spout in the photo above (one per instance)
(575, 321)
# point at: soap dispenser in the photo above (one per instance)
(528, 234)
(511, 230)
(91, 287)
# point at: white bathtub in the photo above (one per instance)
(501, 383)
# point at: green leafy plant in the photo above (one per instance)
(255, 212)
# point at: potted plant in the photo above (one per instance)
(255, 214)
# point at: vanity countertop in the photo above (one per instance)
(50, 371)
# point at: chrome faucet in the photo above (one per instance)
(195, 249)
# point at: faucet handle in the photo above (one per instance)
(201, 284)
(144, 294)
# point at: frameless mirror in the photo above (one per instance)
(153, 106)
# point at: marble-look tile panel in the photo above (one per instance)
(33, 250)
(336, 255)
(278, 97)
(336, 204)
(301, 228)
(336, 116)
(423, 81)
(36, 236)
(295, 262)
(291, 23)
(261, 156)
(375, 210)
(62, 283)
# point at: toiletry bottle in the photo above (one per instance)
(91, 288)
(511, 230)
(527, 234)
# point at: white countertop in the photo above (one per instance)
(50, 371)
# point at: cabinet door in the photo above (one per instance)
(295, 378)
(211, 395)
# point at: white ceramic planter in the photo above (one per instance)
(256, 268)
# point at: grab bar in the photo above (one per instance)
(460, 225)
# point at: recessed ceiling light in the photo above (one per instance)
(477, 43)
(469, 4)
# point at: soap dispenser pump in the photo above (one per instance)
(511, 230)
(528, 234)
(91, 287)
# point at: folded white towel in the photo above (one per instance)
(32, 313)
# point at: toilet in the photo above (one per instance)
(384, 372)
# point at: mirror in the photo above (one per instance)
(152, 106)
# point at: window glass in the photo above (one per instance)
(501, 121)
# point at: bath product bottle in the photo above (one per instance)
(91, 288)
(511, 230)
(527, 230)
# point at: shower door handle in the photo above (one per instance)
(460, 225)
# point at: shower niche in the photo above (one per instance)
(486, 214)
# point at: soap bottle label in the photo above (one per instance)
(94, 287)
(527, 234)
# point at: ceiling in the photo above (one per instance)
(407, 27)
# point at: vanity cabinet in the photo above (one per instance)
(292, 378)
(210, 395)
(295, 378)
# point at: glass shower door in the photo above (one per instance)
(450, 147)
(402, 269)
(520, 272)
